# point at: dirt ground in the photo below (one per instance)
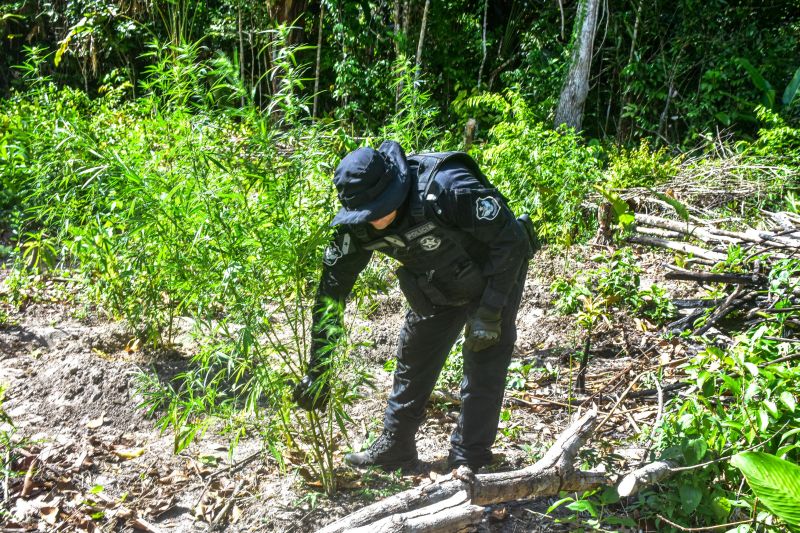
(95, 462)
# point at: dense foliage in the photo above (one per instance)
(668, 71)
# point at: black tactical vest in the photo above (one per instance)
(441, 262)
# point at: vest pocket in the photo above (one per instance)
(452, 287)
(463, 283)
(417, 299)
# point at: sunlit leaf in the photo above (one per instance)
(774, 481)
(791, 90)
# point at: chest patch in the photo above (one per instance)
(332, 254)
(420, 230)
(486, 208)
(430, 242)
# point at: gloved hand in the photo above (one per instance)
(313, 391)
(483, 330)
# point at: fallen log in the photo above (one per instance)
(685, 228)
(658, 232)
(683, 247)
(458, 501)
(644, 476)
(758, 237)
(711, 277)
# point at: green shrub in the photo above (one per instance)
(777, 141)
(640, 167)
(543, 172)
(614, 284)
(172, 207)
(745, 397)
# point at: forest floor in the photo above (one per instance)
(97, 463)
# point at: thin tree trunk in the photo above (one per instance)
(241, 49)
(421, 42)
(406, 16)
(397, 14)
(576, 86)
(624, 122)
(251, 45)
(399, 29)
(319, 59)
(483, 43)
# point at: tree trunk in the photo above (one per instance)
(625, 122)
(483, 42)
(576, 86)
(421, 42)
(241, 48)
(319, 59)
(404, 16)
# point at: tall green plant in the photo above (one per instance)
(413, 124)
(745, 399)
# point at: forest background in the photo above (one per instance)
(175, 158)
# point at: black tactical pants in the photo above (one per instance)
(425, 342)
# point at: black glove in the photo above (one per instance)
(483, 330)
(313, 391)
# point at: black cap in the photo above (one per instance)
(371, 183)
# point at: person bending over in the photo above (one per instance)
(463, 258)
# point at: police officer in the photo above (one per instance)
(464, 260)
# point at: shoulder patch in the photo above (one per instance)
(332, 255)
(486, 208)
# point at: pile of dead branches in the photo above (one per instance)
(706, 243)
(781, 241)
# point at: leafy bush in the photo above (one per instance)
(615, 284)
(413, 124)
(543, 172)
(171, 208)
(776, 140)
(742, 398)
(640, 167)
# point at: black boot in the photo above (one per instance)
(390, 451)
(454, 461)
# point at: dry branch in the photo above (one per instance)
(683, 247)
(685, 228)
(695, 303)
(458, 503)
(728, 306)
(710, 277)
(644, 476)
(658, 232)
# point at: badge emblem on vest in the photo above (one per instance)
(332, 254)
(487, 208)
(430, 242)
